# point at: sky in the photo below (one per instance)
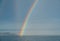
(44, 19)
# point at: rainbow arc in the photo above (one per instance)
(27, 18)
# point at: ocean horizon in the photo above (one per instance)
(30, 38)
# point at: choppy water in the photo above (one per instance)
(30, 38)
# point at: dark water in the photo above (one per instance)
(30, 38)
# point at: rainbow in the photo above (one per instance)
(27, 18)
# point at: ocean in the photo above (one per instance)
(30, 38)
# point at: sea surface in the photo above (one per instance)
(30, 38)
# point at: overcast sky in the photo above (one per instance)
(44, 20)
